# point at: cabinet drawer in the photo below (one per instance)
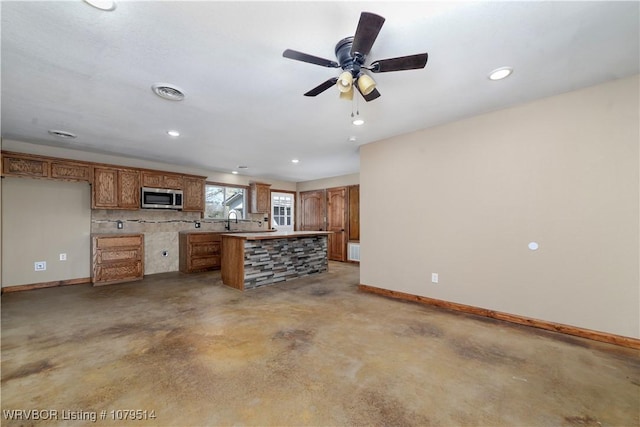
(119, 241)
(206, 248)
(118, 255)
(123, 271)
(205, 262)
(204, 237)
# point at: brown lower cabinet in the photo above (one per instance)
(200, 251)
(117, 258)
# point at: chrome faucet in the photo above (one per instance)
(228, 226)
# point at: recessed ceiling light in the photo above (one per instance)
(168, 91)
(352, 138)
(500, 73)
(358, 122)
(295, 161)
(234, 172)
(62, 134)
(173, 133)
(107, 5)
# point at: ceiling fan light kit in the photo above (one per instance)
(366, 84)
(351, 53)
(345, 82)
(347, 95)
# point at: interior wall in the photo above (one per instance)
(336, 181)
(40, 220)
(465, 199)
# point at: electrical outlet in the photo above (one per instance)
(40, 265)
(434, 277)
(197, 224)
(63, 257)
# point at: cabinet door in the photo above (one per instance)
(193, 194)
(128, 189)
(105, 188)
(312, 210)
(152, 179)
(260, 198)
(70, 171)
(172, 181)
(161, 180)
(337, 223)
(24, 166)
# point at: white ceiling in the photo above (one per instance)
(69, 66)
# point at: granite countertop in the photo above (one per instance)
(276, 234)
(196, 231)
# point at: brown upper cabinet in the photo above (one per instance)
(115, 188)
(162, 180)
(193, 194)
(260, 197)
(25, 165)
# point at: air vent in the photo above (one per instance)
(62, 134)
(168, 91)
(353, 251)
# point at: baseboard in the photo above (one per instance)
(20, 288)
(513, 318)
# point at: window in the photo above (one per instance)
(282, 211)
(220, 200)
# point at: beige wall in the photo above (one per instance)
(40, 220)
(464, 199)
(336, 181)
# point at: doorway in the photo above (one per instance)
(282, 211)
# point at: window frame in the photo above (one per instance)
(245, 198)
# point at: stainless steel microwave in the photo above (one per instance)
(161, 198)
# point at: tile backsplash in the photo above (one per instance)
(161, 228)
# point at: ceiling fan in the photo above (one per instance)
(351, 53)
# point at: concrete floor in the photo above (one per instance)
(309, 352)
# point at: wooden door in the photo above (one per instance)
(312, 210)
(337, 199)
(354, 212)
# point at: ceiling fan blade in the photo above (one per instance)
(372, 95)
(299, 56)
(411, 62)
(368, 28)
(322, 87)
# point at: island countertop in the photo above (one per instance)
(276, 235)
(251, 260)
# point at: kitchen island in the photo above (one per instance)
(251, 260)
